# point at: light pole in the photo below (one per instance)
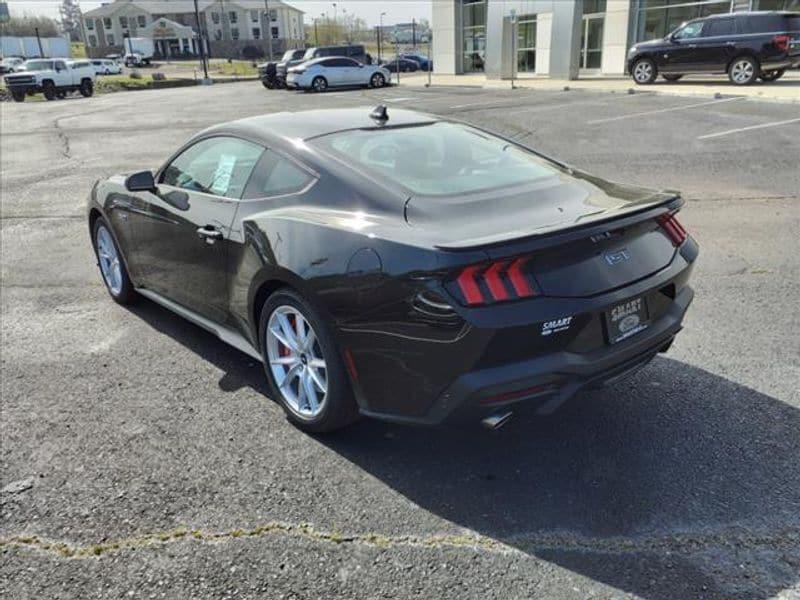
(316, 33)
(335, 24)
(327, 23)
(268, 32)
(344, 23)
(380, 35)
(200, 42)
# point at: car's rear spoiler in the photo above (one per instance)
(594, 224)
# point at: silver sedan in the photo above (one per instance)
(335, 71)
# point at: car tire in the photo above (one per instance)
(768, 76)
(18, 96)
(87, 88)
(49, 90)
(319, 84)
(112, 266)
(377, 80)
(744, 70)
(672, 77)
(644, 71)
(337, 407)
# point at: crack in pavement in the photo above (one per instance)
(63, 137)
(738, 539)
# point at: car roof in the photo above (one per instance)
(288, 127)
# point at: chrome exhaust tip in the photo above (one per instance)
(497, 420)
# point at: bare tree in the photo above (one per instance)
(71, 19)
(26, 26)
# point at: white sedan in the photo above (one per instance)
(106, 66)
(335, 71)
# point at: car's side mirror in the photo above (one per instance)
(140, 182)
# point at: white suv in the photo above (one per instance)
(53, 77)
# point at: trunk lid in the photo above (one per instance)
(584, 236)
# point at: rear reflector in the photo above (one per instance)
(673, 228)
(498, 281)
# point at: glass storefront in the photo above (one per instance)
(657, 18)
(526, 44)
(792, 5)
(473, 27)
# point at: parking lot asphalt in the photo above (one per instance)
(141, 457)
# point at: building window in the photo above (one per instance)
(275, 33)
(234, 33)
(656, 18)
(526, 44)
(233, 16)
(90, 24)
(256, 33)
(123, 22)
(218, 34)
(215, 18)
(254, 16)
(107, 22)
(473, 27)
(110, 39)
(592, 7)
(273, 15)
(93, 41)
(142, 20)
(791, 5)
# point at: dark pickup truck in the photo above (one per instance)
(747, 46)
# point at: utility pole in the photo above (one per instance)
(268, 33)
(316, 33)
(200, 42)
(414, 34)
(39, 41)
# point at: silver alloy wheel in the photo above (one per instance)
(643, 71)
(320, 84)
(296, 361)
(378, 80)
(742, 71)
(109, 260)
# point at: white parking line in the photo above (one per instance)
(664, 110)
(400, 99)
(739, 130)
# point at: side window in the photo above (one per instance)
(719, 27)
(61, 65)
(220, 166)
(690, 31)
(276, 176)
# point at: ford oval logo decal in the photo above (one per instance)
(614, 258)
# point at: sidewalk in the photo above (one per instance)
(786, 89)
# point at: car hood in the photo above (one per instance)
(562, 201)
(649, 44)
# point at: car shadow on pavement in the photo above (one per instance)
(651, 486)
(675, 483)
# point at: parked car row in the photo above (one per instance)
(747, 46)
(323, 67)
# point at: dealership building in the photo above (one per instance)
(229, 27)
(563, 39)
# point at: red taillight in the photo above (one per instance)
(673, 228)
(496, 282)
(781, 42)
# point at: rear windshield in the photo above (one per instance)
(437, 159)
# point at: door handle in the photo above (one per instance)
(210, 234)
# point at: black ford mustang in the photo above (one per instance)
(399, 266)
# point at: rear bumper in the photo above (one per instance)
(551, 379)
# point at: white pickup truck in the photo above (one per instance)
(53, 77)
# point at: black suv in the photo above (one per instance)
(273, 74)
(747, 46)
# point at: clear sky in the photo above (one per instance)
(397, 11)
